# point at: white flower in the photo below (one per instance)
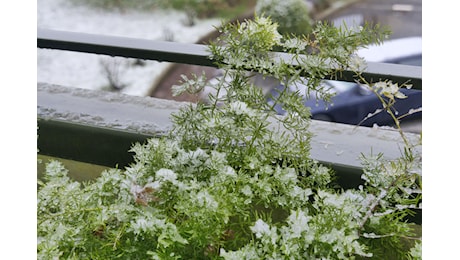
(298, 222)
(141, 225)
(166, 175)
(286, 176)
(153, 185)
(239, 108)
(295, 43)
(389, 90)
(55, 169)
(198, 156)
(357, 63)
(333, 236)
(246, 190)
(204, 199)
(229, 171)
(299, 193)
(247, 252)
(416, 251)
(136, 189)
(260, 228)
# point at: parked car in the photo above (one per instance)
(352, 102)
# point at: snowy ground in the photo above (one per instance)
(86, 70)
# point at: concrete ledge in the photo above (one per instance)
(144, 115)
(99, 127)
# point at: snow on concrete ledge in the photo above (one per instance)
(337, 145)
(343, 145)
(145, 115)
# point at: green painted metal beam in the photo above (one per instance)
(196, 54)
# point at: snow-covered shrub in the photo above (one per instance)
(232, 180)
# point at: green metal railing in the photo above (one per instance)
(196, 54)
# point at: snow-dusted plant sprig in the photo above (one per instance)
(232, 180)
(389, 93)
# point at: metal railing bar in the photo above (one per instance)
(196, 54)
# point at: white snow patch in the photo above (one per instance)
(83, 70)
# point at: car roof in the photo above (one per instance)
(392, 49)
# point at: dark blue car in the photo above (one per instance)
(353, 103)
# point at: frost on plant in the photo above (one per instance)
(233, 180)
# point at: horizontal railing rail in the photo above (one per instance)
(196, 54)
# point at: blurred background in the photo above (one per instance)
(195, 21)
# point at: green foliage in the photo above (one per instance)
(232, 180)
(292, 16)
